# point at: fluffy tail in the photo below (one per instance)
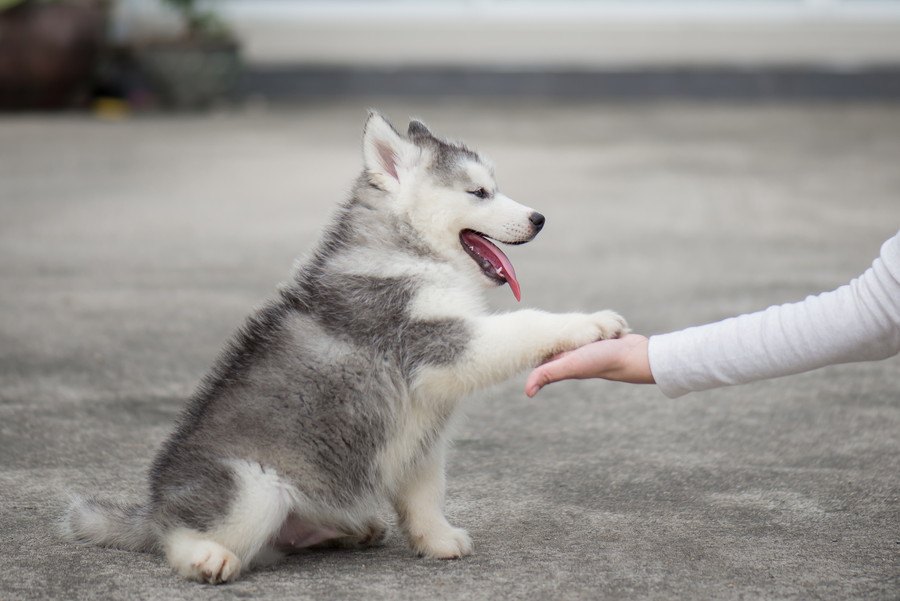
(109, 524)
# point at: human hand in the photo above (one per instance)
(622, 359)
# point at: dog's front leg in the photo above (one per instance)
(503, 345)
(419, 503)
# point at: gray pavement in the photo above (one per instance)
(129, 251)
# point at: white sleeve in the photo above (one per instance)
(856, 322)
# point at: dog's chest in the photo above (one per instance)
(420, 428)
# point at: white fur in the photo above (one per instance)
(263, 503)
(388, 157)
(501, 345)
(248, 533)
(197, 557)
(419, 502)
(450, 287)
(261, 506)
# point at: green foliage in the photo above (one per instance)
(4, 4)
(200, 22)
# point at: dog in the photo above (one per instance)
(335, 399)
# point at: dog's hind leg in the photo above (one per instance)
(259, 507)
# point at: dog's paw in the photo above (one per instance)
(579, 329)
(374, 534)
(211, 563)
(609, 324)
(446, 542)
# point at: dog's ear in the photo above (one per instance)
(386, 153)
(418, 129)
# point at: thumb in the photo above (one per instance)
(552, 371)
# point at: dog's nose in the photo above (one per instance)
(537, 220)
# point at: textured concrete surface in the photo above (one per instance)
(129, 251)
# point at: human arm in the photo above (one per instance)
(856, 322)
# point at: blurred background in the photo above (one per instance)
(187, 54)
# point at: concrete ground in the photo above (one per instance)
(129, 251)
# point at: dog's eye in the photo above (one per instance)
(480, 193)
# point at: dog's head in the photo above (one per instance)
(448, 194)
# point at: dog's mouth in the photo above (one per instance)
(493, 263)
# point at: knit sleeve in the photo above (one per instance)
(857, 322)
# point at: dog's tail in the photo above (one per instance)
(109, 524)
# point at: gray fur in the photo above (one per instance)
(418, 129)
(447, 156)
(108, 523)
(311, 386)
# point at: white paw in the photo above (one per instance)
(584, 328)
(445, 542)
(609, 324)
(211, 562)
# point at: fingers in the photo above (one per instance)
(552, 371)
(537, 379)
(590, 361)
(624, 359)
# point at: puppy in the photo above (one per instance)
(334, 399)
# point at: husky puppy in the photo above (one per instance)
(334, 399)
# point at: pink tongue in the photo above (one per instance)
(498, 260)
